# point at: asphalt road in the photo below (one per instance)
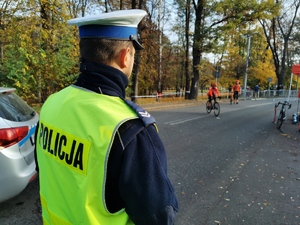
(233, 169)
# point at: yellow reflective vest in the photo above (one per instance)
(75, 135)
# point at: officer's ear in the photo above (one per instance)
(124, 57)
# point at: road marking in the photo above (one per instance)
(184, 120)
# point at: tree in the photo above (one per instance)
(136, 67)
(278, 31)
(8, 8)
(229, 14)
(233, 58)
(41, 53)
(262, 71)
(182, 29)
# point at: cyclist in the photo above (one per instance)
(236, 91)
(213, 92)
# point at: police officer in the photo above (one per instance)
(99, 157)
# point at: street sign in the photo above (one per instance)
(217, 72)
(296, 70)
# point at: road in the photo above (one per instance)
(233, 169)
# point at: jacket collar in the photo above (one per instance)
(102, 79)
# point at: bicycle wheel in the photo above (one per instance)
(216, 108)
(208, 107)
(280, 120)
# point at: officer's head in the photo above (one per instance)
(110, 38)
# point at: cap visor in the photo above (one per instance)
(137, 45)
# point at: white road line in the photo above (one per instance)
(184, 120)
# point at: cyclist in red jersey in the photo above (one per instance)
(213, 92)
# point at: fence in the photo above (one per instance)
(273, 93)
(179, 96)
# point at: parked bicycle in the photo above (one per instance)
(213, 105)
(282, 113)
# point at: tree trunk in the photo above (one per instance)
(136, 67)
(197, 49)
(187, 39)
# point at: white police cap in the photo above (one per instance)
(118, 25)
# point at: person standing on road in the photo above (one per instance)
(256, 90)
(279, 89)
(99, 157)
(236, 92)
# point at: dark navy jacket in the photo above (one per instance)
(137, 166)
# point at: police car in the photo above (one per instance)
(18, 122)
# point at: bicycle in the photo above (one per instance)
(282, 116)
(213, 106)
(230, 98)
